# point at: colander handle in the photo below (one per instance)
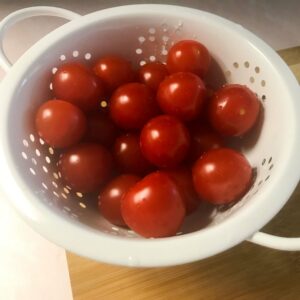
(26, 13)
(275, 242)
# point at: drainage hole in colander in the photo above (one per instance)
(103, 103)
(259, 183)
(165, 38)
(263, 97)
(42, 142)
(81, 204)
(55, 175)
(257, 70)
(24, 155)
(152, 58)
(75, 53)
(56, 194)
(25, 143)
(138, 51)
(62, 57)
(51, 86)
(263, 83)
(263, 161)
(270, 160)
(142, 62)
(271, 167)
(44, 185)
(31, 137)
(32, 171)
(151, 38)
(37, 152)
(64, 195)
(33, 160)
(79, 195)
(47, 159)
(55, 184)
(246, 64)
(45, 169)
(236, 64)
(251, 79)
(267, 177)
(54, 70)
(88, 56)
(152, 30)
(141, 39)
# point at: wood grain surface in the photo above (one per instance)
(244, 272)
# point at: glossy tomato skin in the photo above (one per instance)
(60, 123)
(101, 129)
(86, 167)
(182, 95)
(128, 155)
(75, 83)
(109, 200)
(222, 176)
(152, 74)
(184, 181)
(154, 207)
(188, 56)
(203, 139)
(132, 105)
(234, 110)
(165, 141)
(114, 71)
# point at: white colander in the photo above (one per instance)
(142, 33)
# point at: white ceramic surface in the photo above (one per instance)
(49, 208)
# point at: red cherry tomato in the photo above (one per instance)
(128, 155)
(154, 207)
(182, 95)
(101, 129)
(132, 105)
(222, 176)
(152, 74)
(60, 123)
(165, 141)
(203, 139)
(75, 83)
(114, 71)
(184, 181)
(85, 167)
(233, 110)
(109, 200)
(188, 56)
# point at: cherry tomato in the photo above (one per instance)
(154, 207)
(203, 139)
(188, 56)
(85, 167)
(75, 83)
(132, 105)
(182, 95)
(109, 200)
(60, 123)
(222, 176)
(152, 74)
(128, 155)
(234, 110)
(114, 71)
(165, 141)
(101, 129)
(184, 181)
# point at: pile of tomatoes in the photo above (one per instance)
(159, 148)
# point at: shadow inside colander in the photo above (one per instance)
(215, 77)
(200, 219)
(250, 139)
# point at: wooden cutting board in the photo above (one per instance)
(244, 272)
